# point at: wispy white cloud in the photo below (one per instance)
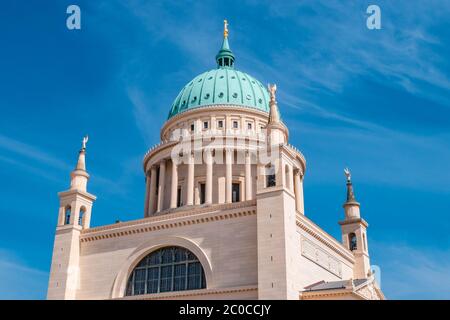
(409, 272)
(340, 48)
(20, 281)
(31, 152)
(31, 169)
(193, 36)
(142, 115)
(36, 161)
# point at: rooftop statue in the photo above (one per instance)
(85, 140)
(348, 174)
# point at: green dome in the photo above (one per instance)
(223, 85)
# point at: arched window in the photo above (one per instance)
(67, 213)
(81, 216)
(352, 241)
(167, 269)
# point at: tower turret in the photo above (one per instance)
(225, 57)
(79, 176)
(74, 215)
(275, 130)
(354, 232)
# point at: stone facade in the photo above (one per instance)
(225, 184)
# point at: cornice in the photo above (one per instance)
(312, 229)
(354, 220)
(214, 107)
(312, 295)
(190, 293)
(182, 218)
(78, 193)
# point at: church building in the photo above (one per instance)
(223, 216)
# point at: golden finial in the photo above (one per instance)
(225, 28)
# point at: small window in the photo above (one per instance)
(192, 127)
(81, 216)
(270, 176)
(205, 124)
(202, 193)
(249, 126)
(235, 125)
(235, 192)
(220, 124)
(67, 214)
(179, 200)
(352, 241)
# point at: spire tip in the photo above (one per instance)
(225, 28)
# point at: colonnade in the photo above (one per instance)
(155, 192)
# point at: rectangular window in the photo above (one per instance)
(192, 127)
(195, 275)
(179, 277)
(220, 124)
(202, 193)
(235, 193)
(270, 176)
(166, 279)
(179, 200)
(249, 126)
(152, 280)
(270, 182)
(139, 281)
(205, 125)
(235, 124)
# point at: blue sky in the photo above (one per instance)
(377, 101)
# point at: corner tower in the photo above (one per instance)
(277, 238)
(354, 232)
(74, 215)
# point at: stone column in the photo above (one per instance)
(190, 181)
(147, 193)
(174, 187)
(152, 200)
(228, 175)
(209, 178)
(290, 178)
(162, 184)
(298, 186)
(213, 124)
(248, 176)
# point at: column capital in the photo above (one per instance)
(298, 172)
